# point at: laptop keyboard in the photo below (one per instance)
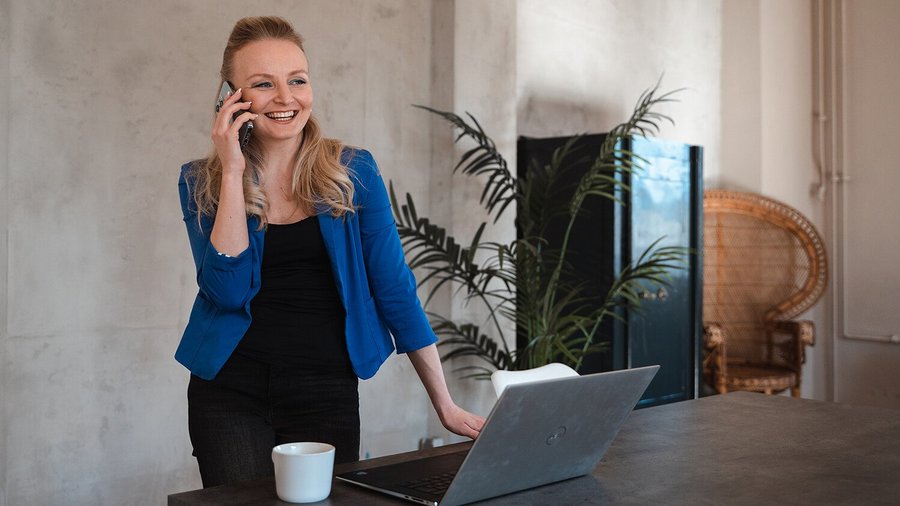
(436, 484)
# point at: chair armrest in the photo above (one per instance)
(713, 336)
(715, 363)
(803, 330)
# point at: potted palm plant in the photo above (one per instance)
(527, 284)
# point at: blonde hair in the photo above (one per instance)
(318, 180)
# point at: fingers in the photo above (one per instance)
(228, 110)
(475, 425)
(231, 99)
(245, 116)
(464, 429)
(468, 432)
(472, 430)
(240, 120)
(225, 130)
(465, 424)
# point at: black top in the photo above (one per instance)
(298, 318)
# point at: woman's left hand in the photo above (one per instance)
(427, 363)
(461, 422)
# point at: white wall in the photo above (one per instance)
(583, 64)
(741, 164)
(787, 168)
(767, 125)
(867, 372)
(768, 112)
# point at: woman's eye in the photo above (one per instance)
(263, 85)
(298, 81)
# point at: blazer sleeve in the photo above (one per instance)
(223, 280)
(390, 278)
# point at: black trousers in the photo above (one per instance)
(250, 407)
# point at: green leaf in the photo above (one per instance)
(529, 283)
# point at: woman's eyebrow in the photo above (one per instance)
(270, 76)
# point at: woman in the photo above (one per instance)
(302, 280)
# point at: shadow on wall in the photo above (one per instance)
(554, 117)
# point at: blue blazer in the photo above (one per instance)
(375, 284)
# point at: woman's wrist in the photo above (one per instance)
(232, 176)
(444, 407)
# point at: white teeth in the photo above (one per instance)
(281, 115)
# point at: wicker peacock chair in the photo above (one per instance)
(764, 263)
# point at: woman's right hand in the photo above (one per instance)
(225, 133)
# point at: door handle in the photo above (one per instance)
(661, 294)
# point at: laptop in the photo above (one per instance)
(538, 433)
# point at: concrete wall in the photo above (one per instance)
(475, 64)
(4, 193)
(107, 100)
(583, 64)
(101, 101)
(573, 66)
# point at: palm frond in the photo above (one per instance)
(544, 194)
(430, 246)
(605, 177)
(530, 282)
(468, 340)
(500, 189)
(652, 267)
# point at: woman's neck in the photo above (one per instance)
(279, 158)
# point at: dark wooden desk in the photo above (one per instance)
(739, 448)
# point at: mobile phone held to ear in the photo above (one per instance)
(247, 128)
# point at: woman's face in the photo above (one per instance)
(274, 76)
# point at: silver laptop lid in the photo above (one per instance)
(547, 431)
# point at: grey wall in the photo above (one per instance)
(100, 103)
(4, 187)
(474, 71)
(107, 99)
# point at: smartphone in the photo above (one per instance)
(247, 128)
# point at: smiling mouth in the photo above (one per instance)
(281, 117)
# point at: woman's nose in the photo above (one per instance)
(283, 94)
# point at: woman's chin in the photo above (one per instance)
(279, 137)
(280, 133)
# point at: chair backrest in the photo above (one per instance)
(763, 261)
(501, 379)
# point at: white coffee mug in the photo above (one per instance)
(303, 471)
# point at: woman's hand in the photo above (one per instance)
(461, 422)
(225, 133)
(229, 234)
(427, 363)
